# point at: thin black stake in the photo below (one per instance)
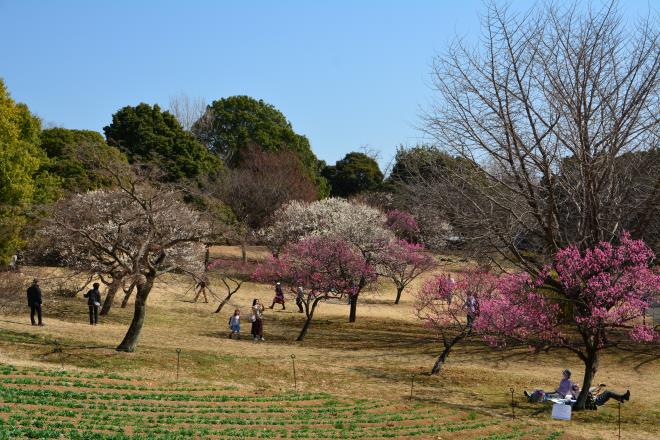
(178, 355)
(295, 379)
(619, 420)
(513, 404)
(412, 384)
(58, 349)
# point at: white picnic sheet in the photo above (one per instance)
(563, 401)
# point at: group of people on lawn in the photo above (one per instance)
(35, 301)
(257, 310)
(568, 391)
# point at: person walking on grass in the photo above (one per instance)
(93, 303)
(201, 285)
(34, 301)
(279, 296)
(300, 298)
(235, 324)
(257, 322)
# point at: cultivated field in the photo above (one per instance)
(65, 380)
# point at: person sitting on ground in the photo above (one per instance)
(598, 396)
(279, 296)
(566, 389)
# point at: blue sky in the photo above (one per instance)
(347, 74)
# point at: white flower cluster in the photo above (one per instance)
(114, 231)
(360, 225)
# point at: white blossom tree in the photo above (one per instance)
(136, 230)
(361, 226)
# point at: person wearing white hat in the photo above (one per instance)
(279, 296)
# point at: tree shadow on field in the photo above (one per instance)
(639, 357)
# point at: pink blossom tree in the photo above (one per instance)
(450, 307)
(326, 268)
(403, 225)
(593, 294)
(360, 226)
(402, 262)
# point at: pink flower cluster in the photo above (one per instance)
(606, 287)
(443, 302)
(611, 286)
(323, 265)
(516, 310)
(402, 224)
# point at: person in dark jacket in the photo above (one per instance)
(93, 302)
(34, 301)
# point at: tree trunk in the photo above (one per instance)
(224, 301)
(399, 289)
(590, 369)
(353, 312)
(132, 335)
(308, 321)
(127, 296)
(110, 296)
(445, 353)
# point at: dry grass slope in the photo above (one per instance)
(360, 373)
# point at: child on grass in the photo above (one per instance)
(235, 324)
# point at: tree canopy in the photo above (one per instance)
(147, 134)
(231, 125)
(21, 183)
(65, 149)
(355, 173)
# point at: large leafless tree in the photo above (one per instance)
(136, 231)
(553, 120)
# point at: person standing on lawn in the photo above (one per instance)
(34, 301)
(257, 322)
(93, 302)
(300, 298)
(235, 324)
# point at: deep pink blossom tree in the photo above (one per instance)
(591, 294)
(450, 307)
(325, 267)
(403, 225)
(402, 262)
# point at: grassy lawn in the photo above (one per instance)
(353, 380)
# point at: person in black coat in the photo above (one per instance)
(93, 302)
(34, 301)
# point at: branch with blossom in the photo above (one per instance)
(605, 289)
(450, 307)
(325, 267)
(403, 262)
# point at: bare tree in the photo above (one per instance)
(187, 110)
(551, 119)
(138, 230)
(259, 186)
